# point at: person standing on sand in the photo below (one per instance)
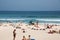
(14, 34)
(24, 38)
(29, 37)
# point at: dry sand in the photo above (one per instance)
(6, 33)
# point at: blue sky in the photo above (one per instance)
(29, 5)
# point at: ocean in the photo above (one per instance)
(26, 16)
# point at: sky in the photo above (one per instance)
(29, 5)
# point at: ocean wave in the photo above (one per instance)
(38, 19)
(48, 19)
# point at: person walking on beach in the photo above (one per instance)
(24, 38)
(29, 37)
(14, 34)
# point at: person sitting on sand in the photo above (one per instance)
(14, 34)
(31, 22)
(49, 26)
(24, 38)
(52, 31)
(23, 30)
(29, 37)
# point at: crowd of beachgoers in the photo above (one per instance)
(53, 28)
(49, 27)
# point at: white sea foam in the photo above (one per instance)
(39, 19)
(49, 20)
(12, 19)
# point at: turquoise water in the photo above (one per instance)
(29, 14)
(26, 16)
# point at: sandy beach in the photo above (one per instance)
(6, 31)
